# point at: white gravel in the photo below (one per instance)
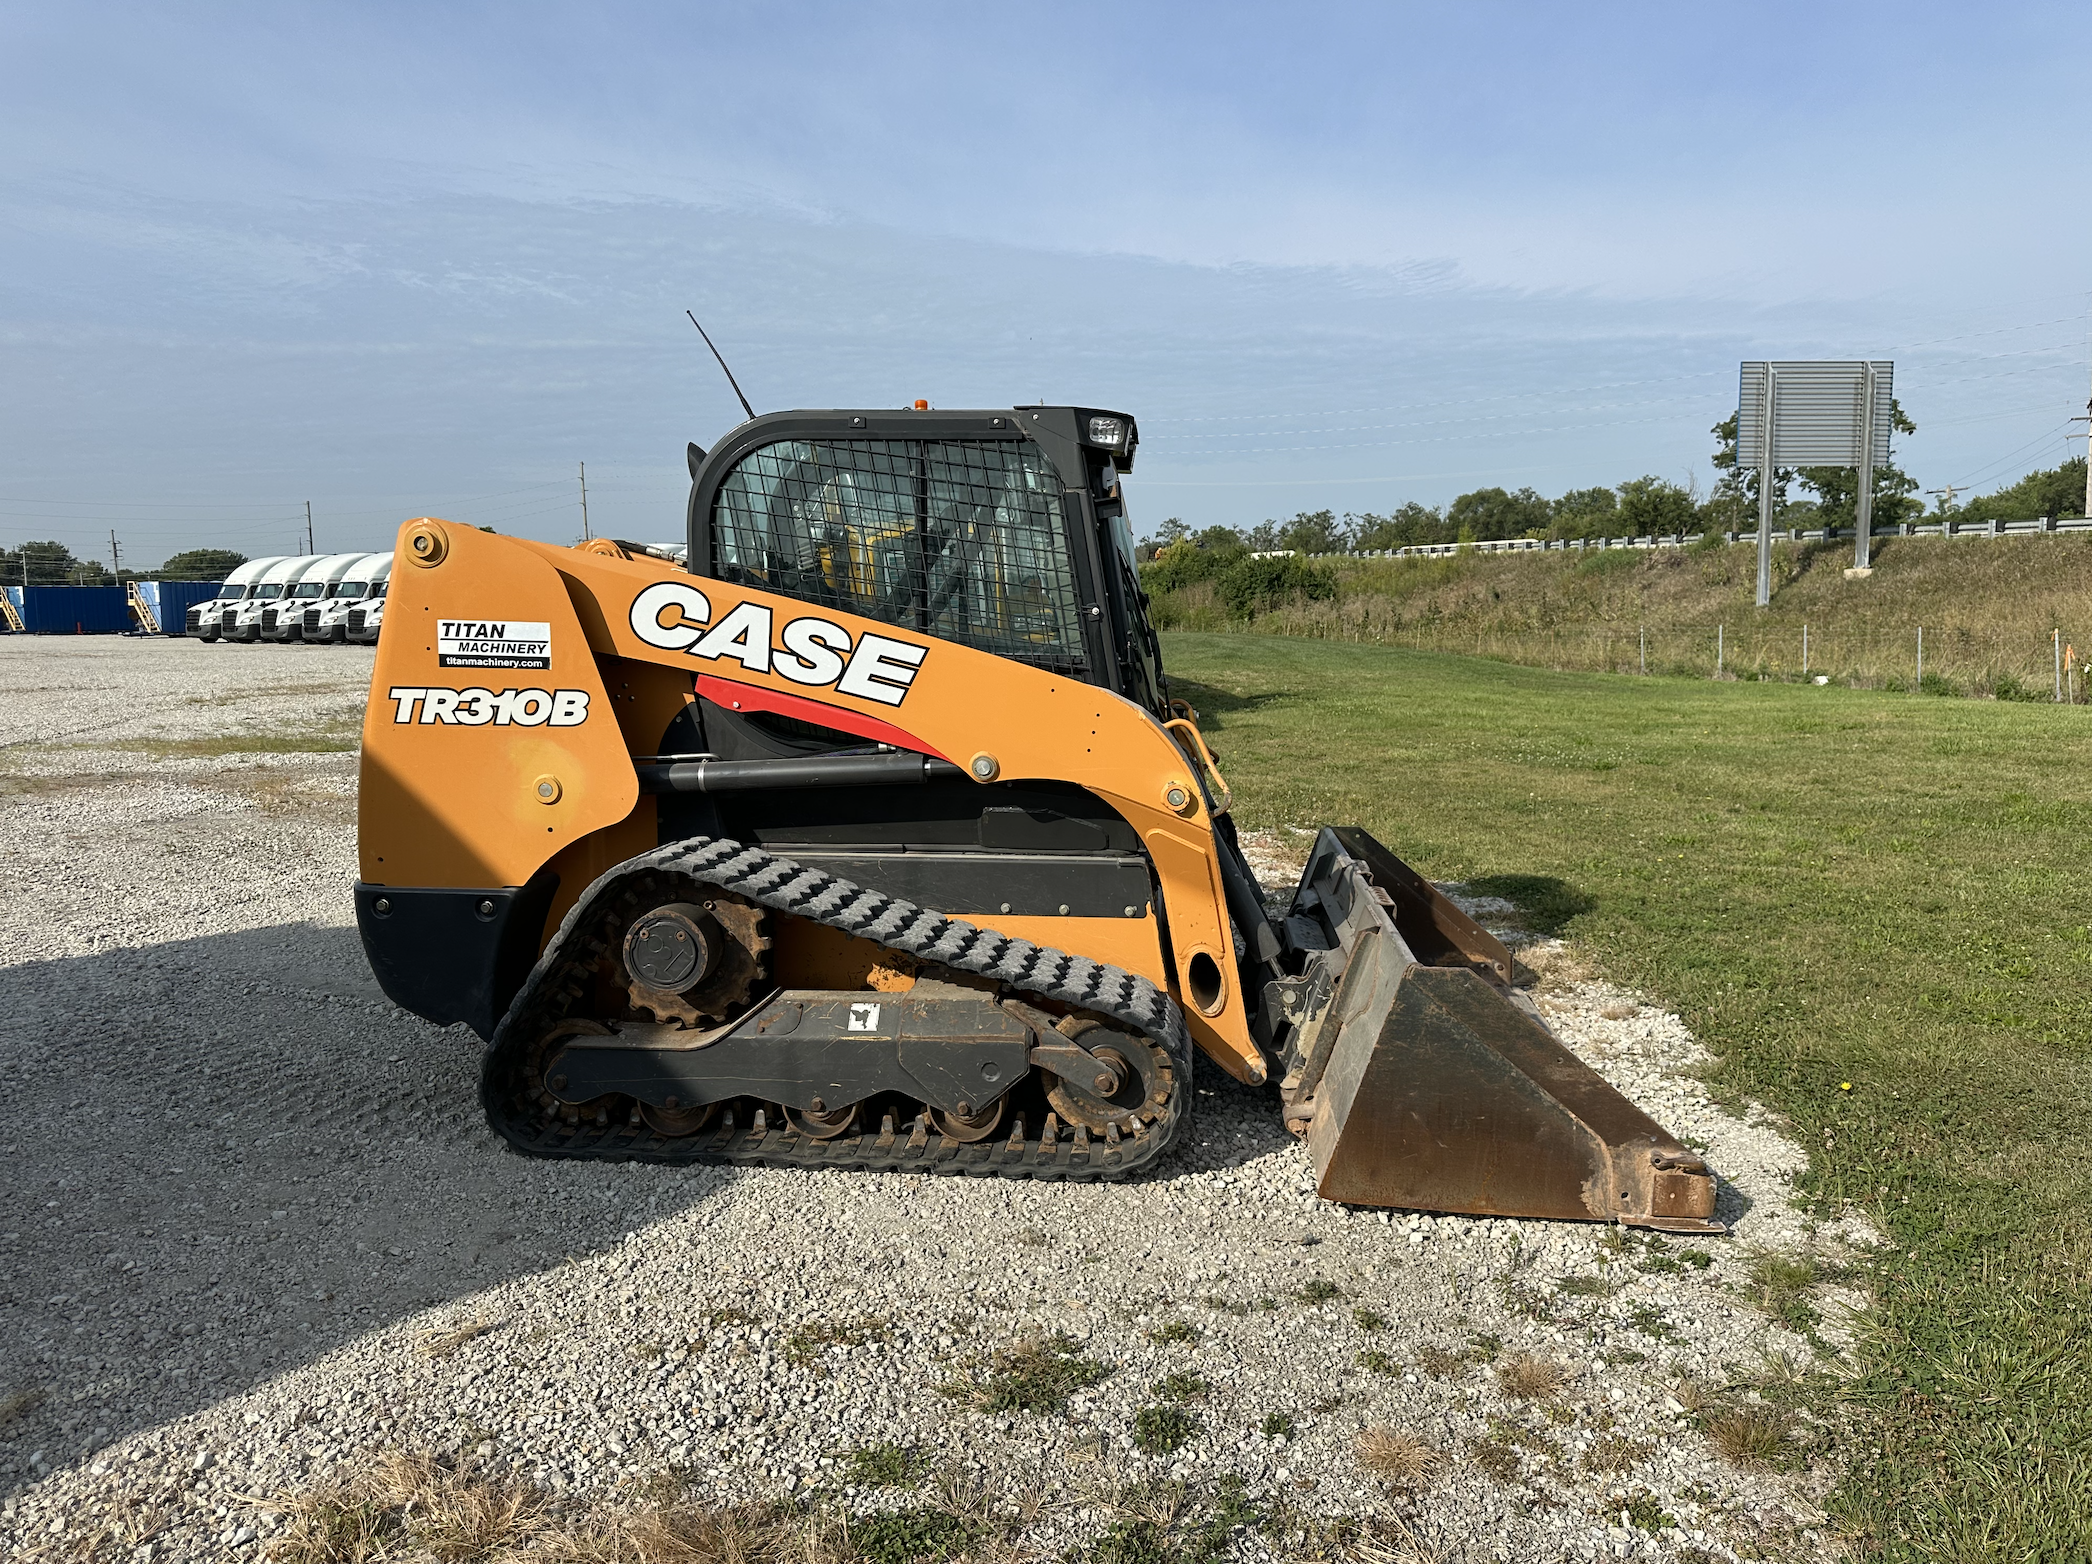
(247, 1198)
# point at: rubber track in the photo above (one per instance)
(510, 1090)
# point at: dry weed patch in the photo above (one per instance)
(700, 1534)
(1034, 1376)
(1616, 1453)
(1441, 1362)
(24, 784)
(1497, 1458)
(292, 741)
(1397, 1456)
(448, 1510)
(1752, 1435)
(1529, 1378)
(442, 1343)
(812, 1339)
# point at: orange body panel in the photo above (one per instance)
(458, 804)
(453, 798)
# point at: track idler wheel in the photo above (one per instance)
(676, 1122)
(972, 1126)
(1137, 1079)
(822, 1123)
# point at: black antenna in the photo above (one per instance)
(730, 380)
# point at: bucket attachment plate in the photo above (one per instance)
(1435, 1085)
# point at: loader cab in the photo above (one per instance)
(1003, 529)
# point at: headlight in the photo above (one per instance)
(1108, 431)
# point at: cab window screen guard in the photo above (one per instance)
(964, 540)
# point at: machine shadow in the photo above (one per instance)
(1546, 905)
(229, 1156)
(1214, 705)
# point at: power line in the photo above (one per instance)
(1432, 423)
(19, 499)
(1406, 407)
(1441, 439)
(1984, 474)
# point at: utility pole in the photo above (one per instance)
(308, 529)
(1863, 521)
(1765, 502)
(584, 502)
(2085, 418)
(2088, 457)
(115, 568)
(1945, 497)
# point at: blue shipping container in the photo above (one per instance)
(74, 610)
(171, 601)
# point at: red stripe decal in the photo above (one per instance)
(751, 697)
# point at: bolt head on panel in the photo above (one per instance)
(427, 544)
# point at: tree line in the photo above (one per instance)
(51, 563)
(1647, 506)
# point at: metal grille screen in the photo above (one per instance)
(963, 540)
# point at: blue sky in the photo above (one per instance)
(406, 259)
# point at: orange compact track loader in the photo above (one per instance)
(868, 836)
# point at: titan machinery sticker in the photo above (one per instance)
(808, 649)
(493, 643)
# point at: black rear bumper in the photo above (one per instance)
(451, 955)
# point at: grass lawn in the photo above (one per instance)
(1830, 885)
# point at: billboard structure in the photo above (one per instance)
(1814, 413)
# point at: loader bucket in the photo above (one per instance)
(1424, 1078)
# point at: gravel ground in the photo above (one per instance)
(256, 1232)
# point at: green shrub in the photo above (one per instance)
(1253, 586)
(1608, 561)
(1201, 559)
